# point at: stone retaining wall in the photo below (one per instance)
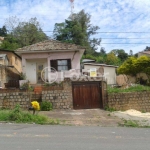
(11, 98)
(61, 99)
(124, 101)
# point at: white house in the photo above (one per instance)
(109, 71)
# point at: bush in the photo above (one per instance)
(19, 116)
(46, 106)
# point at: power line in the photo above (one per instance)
(96, 31)
(126, 38)
(124, 43)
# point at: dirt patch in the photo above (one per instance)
(87, 117)
(142, 118)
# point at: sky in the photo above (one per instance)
(124, 24)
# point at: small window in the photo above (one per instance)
(61, 64)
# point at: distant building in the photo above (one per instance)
(146, 52)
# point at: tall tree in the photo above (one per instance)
(3, 31)
(77, 29)
(120, 53)
(24, 32)
(112, 59)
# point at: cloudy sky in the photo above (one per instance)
(124, 24)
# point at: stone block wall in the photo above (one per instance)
(61, 99)
(135, 100)
(11, 98)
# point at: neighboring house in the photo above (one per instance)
(109, 71)
(38, 58)
(145, 52)
(10, 67)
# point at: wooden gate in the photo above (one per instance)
(87, 95)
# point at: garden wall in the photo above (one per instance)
(9, 99)
(61, 99)
(124, 101)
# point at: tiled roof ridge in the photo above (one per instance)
(46, 44)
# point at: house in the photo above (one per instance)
(146, 52)
(50, 61)
(108, 71)
(10, 67)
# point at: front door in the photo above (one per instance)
(40, 67)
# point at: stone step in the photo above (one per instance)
(38, 89)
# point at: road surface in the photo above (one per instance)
(49, 137)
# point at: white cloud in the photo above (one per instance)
(109, 15)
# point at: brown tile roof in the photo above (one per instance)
(145, 52)
(50, 45)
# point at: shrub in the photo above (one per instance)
(46, 106)
(19, 116)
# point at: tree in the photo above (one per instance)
(121, 54)
(111, 59)
(131, 53)
(3, 31)
(24, 33)
(78, 30)
(128, 67)
(133, 66)
(102, 51)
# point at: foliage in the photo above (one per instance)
(25, 86)
(128, 67)
(46, 106)
(19, 116)
(112, 59)
(121, 54)
(78, 30)
(107, 108)
(136, 88)
(22, 33)
(10, 43)
(3, 31)
(130, 123)
(23, 76)
(134, 65)
(35, 105)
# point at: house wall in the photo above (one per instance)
(143, 54)
(29, 69)
(135, 100)
(109, 72)
(14, 60)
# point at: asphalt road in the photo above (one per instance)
(48, 137)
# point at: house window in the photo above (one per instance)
(61, 64)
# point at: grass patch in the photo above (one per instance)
(19, 116)
(136, 88)
(130, 123)
(133, 123)
(107, 108)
